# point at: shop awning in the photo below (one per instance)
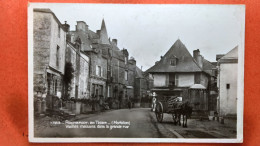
(197, 86)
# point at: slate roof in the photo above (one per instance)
(208, 66)
(49, 11)
(230, 57)
(84, 39)
(139, 72)
(233, 54)
(92, 34)
(114, 53)
(185, 62)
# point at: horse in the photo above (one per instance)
(184, 110)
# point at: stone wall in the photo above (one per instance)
(97, 82)
(228, 95)
(84, 76)
(58, 40)
(41, 48)
(48, 60)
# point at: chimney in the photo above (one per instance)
(81, 26)
(198, 58)
(132, 60)
(86, 27)
(114, 41)
(196, 53)
(66, 26)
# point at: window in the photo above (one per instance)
(101, 90)
(111, 72)
(55, 86)
(98, 71)
(173, 62)
(228, 86)
(108, 91)
(125, 60)
(59, 31)
(176, 80)
(58, 56)
(93, 91)
(126, 75)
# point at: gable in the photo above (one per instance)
(185, 62)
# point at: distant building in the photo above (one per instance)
(227, 82)
(112, 73)
(143, 84)
(80, 62)
(90, 45)
(180, 74)
(49, 44)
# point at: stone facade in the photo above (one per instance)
(227, 83)
(49, 52)
(178, 73)
(112, 73)
(98, 75)
(101, 71)
(80, 62)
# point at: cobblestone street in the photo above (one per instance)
(143, 123)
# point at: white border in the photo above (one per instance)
(240, 103)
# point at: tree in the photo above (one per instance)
(68, 75)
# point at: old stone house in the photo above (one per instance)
(143, 84)
(100, 68)
(121, 73)
(80, 62)
(227, 83)
(111, 72)
(180, 74)
(49, 45)
(90, 45)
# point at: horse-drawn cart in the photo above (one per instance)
(172, 105)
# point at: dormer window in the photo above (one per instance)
(173, 61)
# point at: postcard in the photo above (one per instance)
(136, 73)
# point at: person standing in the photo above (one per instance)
(129, 103)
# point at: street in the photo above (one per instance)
(143, 124)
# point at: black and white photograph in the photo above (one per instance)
(136, 72)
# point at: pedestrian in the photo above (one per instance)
(129, 103)
(93, 103)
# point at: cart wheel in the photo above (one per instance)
(159, 112)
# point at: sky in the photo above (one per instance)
(148, 31)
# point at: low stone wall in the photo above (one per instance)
(81, 108)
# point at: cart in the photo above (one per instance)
(169, 105)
